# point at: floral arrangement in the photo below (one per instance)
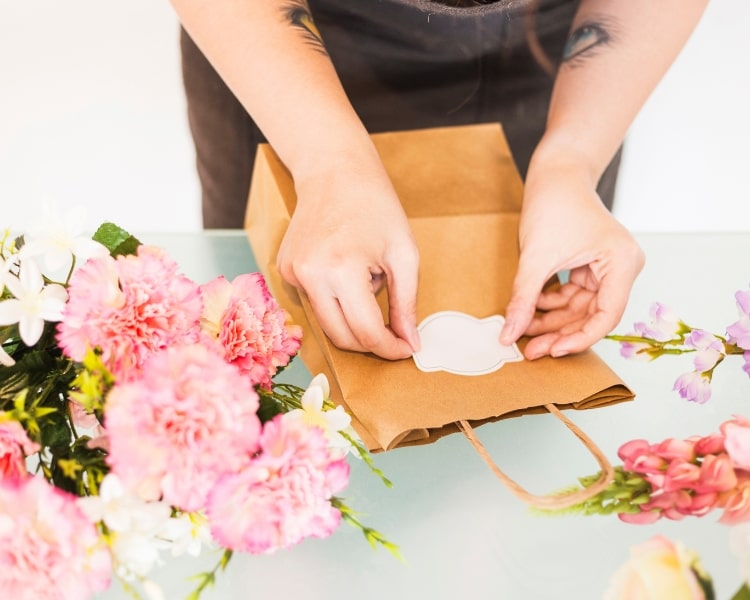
(677, 478)
(139, 414)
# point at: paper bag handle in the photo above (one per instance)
(555, 501)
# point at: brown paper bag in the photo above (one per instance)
(462, 193)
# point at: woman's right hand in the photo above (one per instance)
(348, 236)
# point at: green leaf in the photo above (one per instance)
(116, 239)
(742, 594)
(268, 408)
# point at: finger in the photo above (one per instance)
(403, 277)
(610, 304)
(580, 304)
(332, 321)
(540, 346)
(365, 321)
(557, 298)
(522, 304)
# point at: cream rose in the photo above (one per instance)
(658, 569)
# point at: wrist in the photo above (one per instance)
(564, 153)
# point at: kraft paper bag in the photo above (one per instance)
(462, 193)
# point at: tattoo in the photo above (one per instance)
(299, 16)
(587, 40)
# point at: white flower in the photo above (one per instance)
(187, 533)
(133, 523)
(332, 421)
(34, 302)
(58, 239)
(6, 359)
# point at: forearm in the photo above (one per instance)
(271, 57)
(616, 54)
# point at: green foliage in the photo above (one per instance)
(116, 239)
(207, 579)
(373, 537)
(625, 494)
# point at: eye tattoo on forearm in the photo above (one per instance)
(587, 40)
(299, 16)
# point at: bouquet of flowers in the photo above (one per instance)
(139, 413)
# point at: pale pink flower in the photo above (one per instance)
(746, 366)
(188, 419)
(631, 450)
(284, 495)
(680, 475)
(664, 324)
(693, 386)
(256, 334)
(743, 302)
(640, 518)
(48, 549)
(710, 444)
(717, 474)
(702, 504)
(672, 505)
(672, 449)
(736, 502)
(657, 569)
(739, 331)
(737, 441)
(637, 350)
(15, 446)
(709, 349)
(130, 308)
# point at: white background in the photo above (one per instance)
(92, 112)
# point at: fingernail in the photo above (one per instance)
(506, 334)
(414, 340)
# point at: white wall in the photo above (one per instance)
(92, 112)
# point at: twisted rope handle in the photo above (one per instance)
(556, 501)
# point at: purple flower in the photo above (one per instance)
(743, 302)
(739, 333)
(664, 325)
(709, 349)
(693, 386)
(746, 366)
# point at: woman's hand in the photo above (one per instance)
(347, 237)
(564, 226)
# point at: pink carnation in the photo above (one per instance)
(188, 419)
(48, 549)
(15, 446)
(284, 495)
(256, 334)
(129, 307)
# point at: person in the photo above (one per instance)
(316, 79)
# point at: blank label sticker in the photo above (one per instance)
(462, 344)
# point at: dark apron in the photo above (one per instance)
(403, 67)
